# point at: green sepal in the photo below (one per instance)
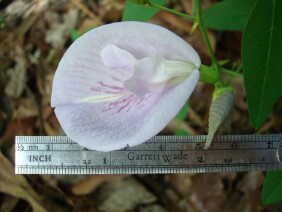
(208, 74)
(220, 90)
(194, 27)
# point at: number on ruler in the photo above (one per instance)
(200, 159)
(234, 145)
(20, 147)
(86, 162)
(198, 146)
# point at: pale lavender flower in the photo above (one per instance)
(122, 83)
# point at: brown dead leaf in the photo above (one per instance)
(49, 130)
(152, 208)
(15, 11)
(27, 107)
(31, 15)
(250, 202)
(91, 183)
(126, 195)
(237, 85)
(17, 75)
(88, 24)
(8, 203)
(195, 118)
(83, 8)
(18, 127)
(179, 124)
(59, 30)
(175, 21)
(207, 193)
(17, 185)
(111, 9)
(48, 87)
(250, 182)
(181, 182)
(187, 6)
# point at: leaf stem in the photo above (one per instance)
(204, 33)
(189, 17)
(231, 73)
(194, 8)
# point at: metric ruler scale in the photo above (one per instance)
(161, 154)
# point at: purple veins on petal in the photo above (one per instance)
(120, 84)
(110, 89)
(126, 103)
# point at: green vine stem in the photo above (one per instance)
(204, 34)
(194, 8)
(189, 17)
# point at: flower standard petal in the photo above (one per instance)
(91, 101)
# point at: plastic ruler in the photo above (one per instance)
(161, 154)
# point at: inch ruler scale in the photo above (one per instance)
(161, 154)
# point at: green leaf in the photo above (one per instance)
(228, 15)
(2, 21)
(74, 34)
(183, 112)
(137, 12)
(181, 116)
(180, 131)
(272, 188)
(261, 54)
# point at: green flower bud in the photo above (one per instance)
(220, 114)
(208, 74)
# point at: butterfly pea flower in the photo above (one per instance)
(122, 83)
